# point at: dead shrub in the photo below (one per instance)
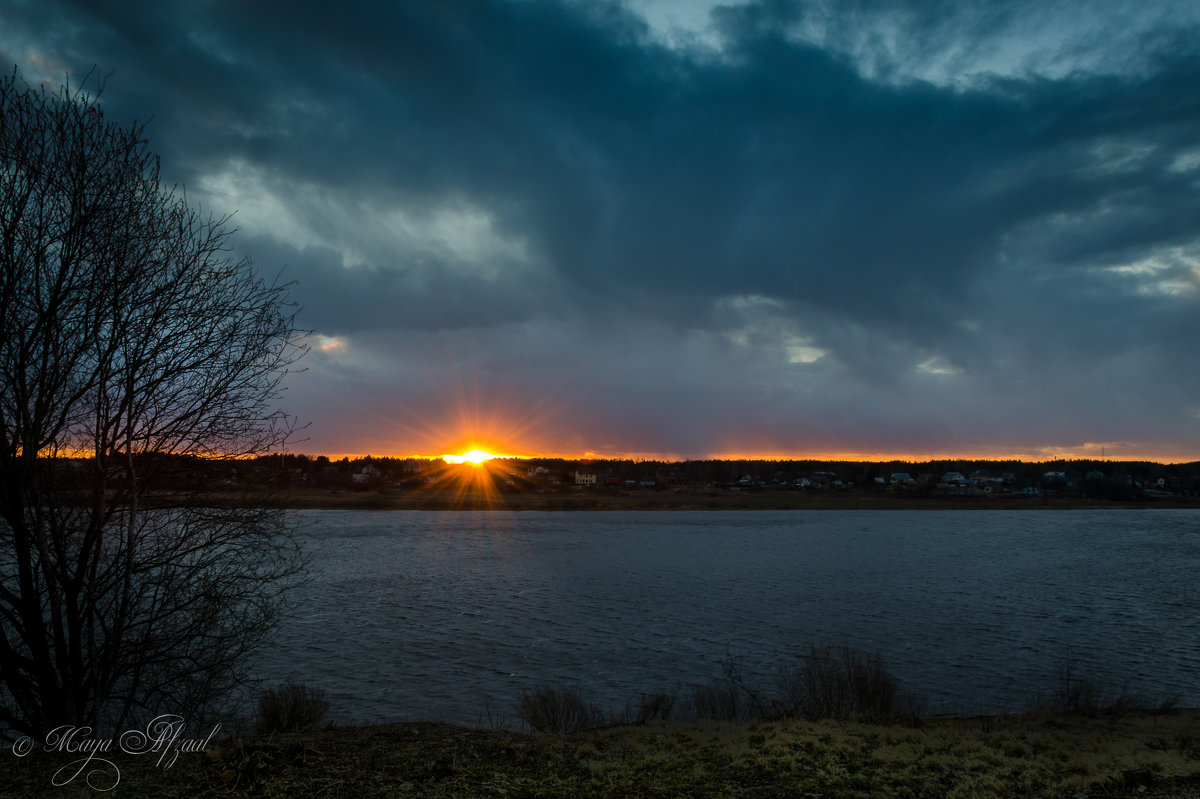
(840, 684)
(558, 709)
(291, 707)
(653, 707)
(719, 700)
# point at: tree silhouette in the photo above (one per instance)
(126, 330)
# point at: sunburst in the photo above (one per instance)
(476, 457)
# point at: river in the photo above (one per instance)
(451, 615)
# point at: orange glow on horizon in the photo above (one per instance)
(485, 455)
(474, 457)
(471, 421)
(477, 419)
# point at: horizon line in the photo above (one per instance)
(776, 457)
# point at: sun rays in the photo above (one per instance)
(476, 457)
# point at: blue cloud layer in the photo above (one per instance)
(811, 227)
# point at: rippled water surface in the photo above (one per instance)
(443, 615)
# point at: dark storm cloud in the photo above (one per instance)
(805, 202)
(393, 296)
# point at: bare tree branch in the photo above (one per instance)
(126, 331)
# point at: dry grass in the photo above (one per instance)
(1017, 756)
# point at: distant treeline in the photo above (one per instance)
(1084, 476)
(1081, 476)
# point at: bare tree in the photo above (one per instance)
(127, 331)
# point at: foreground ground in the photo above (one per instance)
(1149, 755)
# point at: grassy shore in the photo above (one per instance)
(1032, 755)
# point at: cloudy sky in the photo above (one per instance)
(683, 229)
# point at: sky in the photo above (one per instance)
(681, 229)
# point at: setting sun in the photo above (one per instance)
(475, 456)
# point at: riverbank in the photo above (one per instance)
(687, 499)
(1030, 755)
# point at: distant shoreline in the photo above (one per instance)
(599, 499)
